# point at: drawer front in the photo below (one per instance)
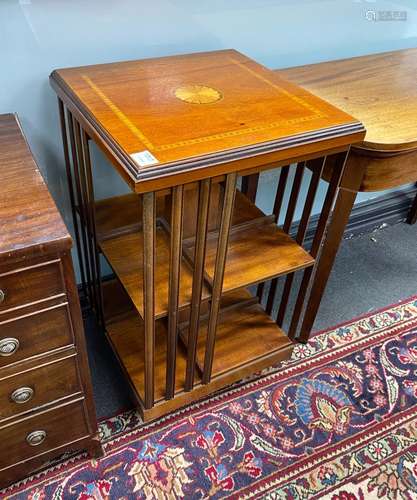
(35, 334)
(37, 387)
(41, 433)
(30, 284)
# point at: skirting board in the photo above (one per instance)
(370, 215)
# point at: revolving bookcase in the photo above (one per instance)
(203, 279)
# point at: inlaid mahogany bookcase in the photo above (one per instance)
(186, 245)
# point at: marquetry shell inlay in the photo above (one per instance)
(197, 94)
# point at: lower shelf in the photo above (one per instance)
(245, 335)
(247, 341)
(127, 339)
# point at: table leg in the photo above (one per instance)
(341, 213)
(345, 200)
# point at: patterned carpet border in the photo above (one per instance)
(306, 429)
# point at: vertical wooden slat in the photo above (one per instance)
(279, 198)
(317, 166)
(80, 202)
(174, 286)
(91, 209)
(86, 214)
(198, 276)
(350, 184)
(260, 291)
(70, 183)
(149, 229)
(317, 241)
(250, 186)
(343, 208)
(289, 216)
(220, 264)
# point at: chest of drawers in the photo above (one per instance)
(46, 403)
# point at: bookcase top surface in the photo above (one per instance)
(170, 114)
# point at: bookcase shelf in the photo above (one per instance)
(123, 214)
(236, 355)
(127, 339)
(245, 335)
(125, 255)
(258, 250)
(188, 243)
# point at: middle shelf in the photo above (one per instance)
(258, 250)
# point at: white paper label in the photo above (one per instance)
(144, 158)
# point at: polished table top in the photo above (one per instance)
(380, 90)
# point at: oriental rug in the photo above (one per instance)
(338, 421)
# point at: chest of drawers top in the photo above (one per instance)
(30, 224)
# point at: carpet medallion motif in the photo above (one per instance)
(338, 421)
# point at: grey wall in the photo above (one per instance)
(37, 36)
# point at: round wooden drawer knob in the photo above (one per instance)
(8, 346)
(22, 395)
(2, 296)
(35, 438)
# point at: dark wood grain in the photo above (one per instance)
(49, 382)
(234, 346)
(148, 259)
(126, 335)
(38, 331)
(198, 257)
(174, 285)
(30, 224)
(62, 425)
(31, 284)
(125, 256)
(219, 272)
(317, 168)
(289, 215)
(43, 356)
(258, 251)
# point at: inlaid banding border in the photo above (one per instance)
(138, 133)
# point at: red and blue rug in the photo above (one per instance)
(338, 421)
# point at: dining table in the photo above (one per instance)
(380, 90)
